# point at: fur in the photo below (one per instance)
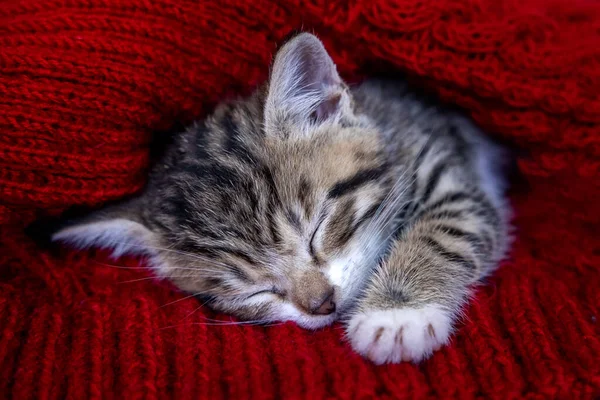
(310, 201)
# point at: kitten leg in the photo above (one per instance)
(415, 296)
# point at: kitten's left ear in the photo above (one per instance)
(305, 88)
(119, 228)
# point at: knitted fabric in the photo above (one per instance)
(84, 84)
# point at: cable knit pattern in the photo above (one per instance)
(83, 85)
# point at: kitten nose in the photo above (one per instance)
(312, 293)
(327, 306)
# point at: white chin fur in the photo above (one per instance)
(289, 312)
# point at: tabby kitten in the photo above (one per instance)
(311, 202)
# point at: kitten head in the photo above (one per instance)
(266, 207)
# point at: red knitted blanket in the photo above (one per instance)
(84, 83)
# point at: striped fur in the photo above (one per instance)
(310, 201)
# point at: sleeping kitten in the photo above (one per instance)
(312, 202)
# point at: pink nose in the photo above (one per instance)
(312, 293)
(326, 307)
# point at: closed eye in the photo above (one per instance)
(311, 245)
(272, 290)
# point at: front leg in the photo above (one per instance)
(416, 295)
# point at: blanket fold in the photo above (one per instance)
(83, 86)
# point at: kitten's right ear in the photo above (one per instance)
(119, 228)
(305, 88)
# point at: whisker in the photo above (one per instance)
(137, 280)
(386, 211)
(221, 323)
(181, 299)
(159, 278)
(141, 267)
(411, 168)
(193, 311)
(196, 309)
(392, 206)
(180, 252)
(386, 200)
(119, 266)
(385, 221)
(385, 217)
(275, 324)
(395, 208)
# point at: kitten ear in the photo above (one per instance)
(305, 88)
(119, 228)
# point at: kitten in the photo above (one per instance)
(311, 202)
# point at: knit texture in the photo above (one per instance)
(83, 84)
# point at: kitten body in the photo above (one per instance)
(311, 202)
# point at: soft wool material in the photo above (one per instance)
(84, 84)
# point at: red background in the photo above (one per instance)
(83, 84)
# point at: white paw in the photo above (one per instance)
(401, 334)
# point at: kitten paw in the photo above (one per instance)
(401, 334)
